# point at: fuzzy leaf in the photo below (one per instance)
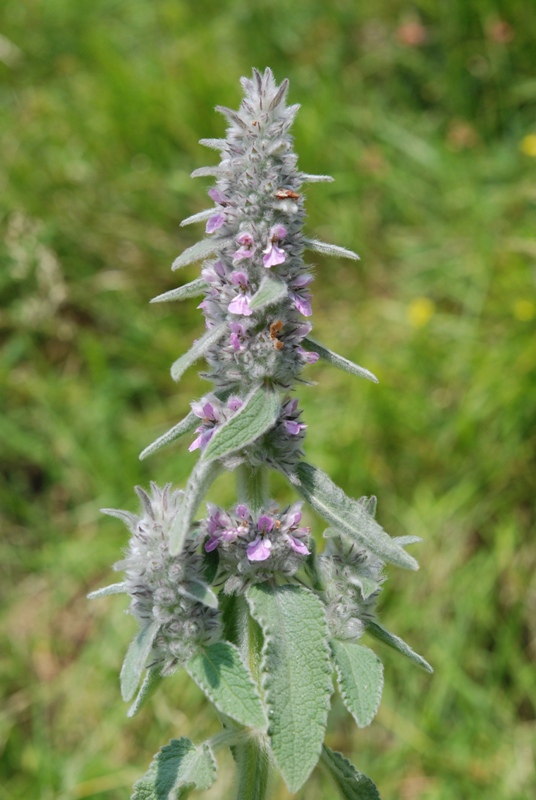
(346, 515)
(199, 591)
(206, 172)
(405, 540)
(360, 679)
(338, 361)
(136, 659)
(297, 675)
(306, 178)
(187, 424)
(198, 484)
(330, 249)
(397, 644)
(219, 671)
(175, 770)
(152, 680)
(270, 291)
(201, 216)
(367, 586)
(214, 144)
(232, 116)
(193, 289)
(198, 251)
(352, 785)
(258, 414)
(114, 588)
(198, 349)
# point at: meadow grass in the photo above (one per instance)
(424, 115)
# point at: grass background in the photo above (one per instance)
(424, 114)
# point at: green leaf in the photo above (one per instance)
(397, 644)
(270, 292)
(258, 414)
(367, 586)
(360, 678)
(346, 515)
(198, 349)
(184, 426)
(199, 591)
(175, 770)
(352, 785)
(136, 658)
(192, 289)
(198, 484)
(297, 675)
(338, 361)
(219, 671)
(114, 588)
(199, 251)
(152, 680)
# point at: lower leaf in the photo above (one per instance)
(360, 678)
(352, 785)
(296, 675)
(175, 770)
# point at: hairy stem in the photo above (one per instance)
(252, 486)
(253, 768)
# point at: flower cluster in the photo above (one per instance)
(256, 226)
(254, 547)
(352, 578)
(160, 585)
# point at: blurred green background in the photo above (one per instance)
(424, 114)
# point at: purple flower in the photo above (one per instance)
(214, 222)
(299, 295)
(247, 248)
(210, 416)
(289, 528)
(240, 304)
(259, 549)
(273, 254)
(265, 523)
(218, 196)
(298, 546)
(294, 428)
(308, 355)
(238, 336)
(234, 403)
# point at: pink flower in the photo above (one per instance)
(240, 304)
(308, 355)
(299, 295)
(259, 549)
(214, 222)
(273, 254)
(218, 196)
(247, 248)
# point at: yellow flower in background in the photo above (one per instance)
(528, 145)
(524, 310)
(419, 311)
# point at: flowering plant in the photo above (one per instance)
(239, 598)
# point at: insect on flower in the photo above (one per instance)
(275, 329)
(284, 194)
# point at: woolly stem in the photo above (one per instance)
(253, 767)
(252, 486)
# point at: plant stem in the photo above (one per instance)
(252, 486)
(252, 757)
(253, 766)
